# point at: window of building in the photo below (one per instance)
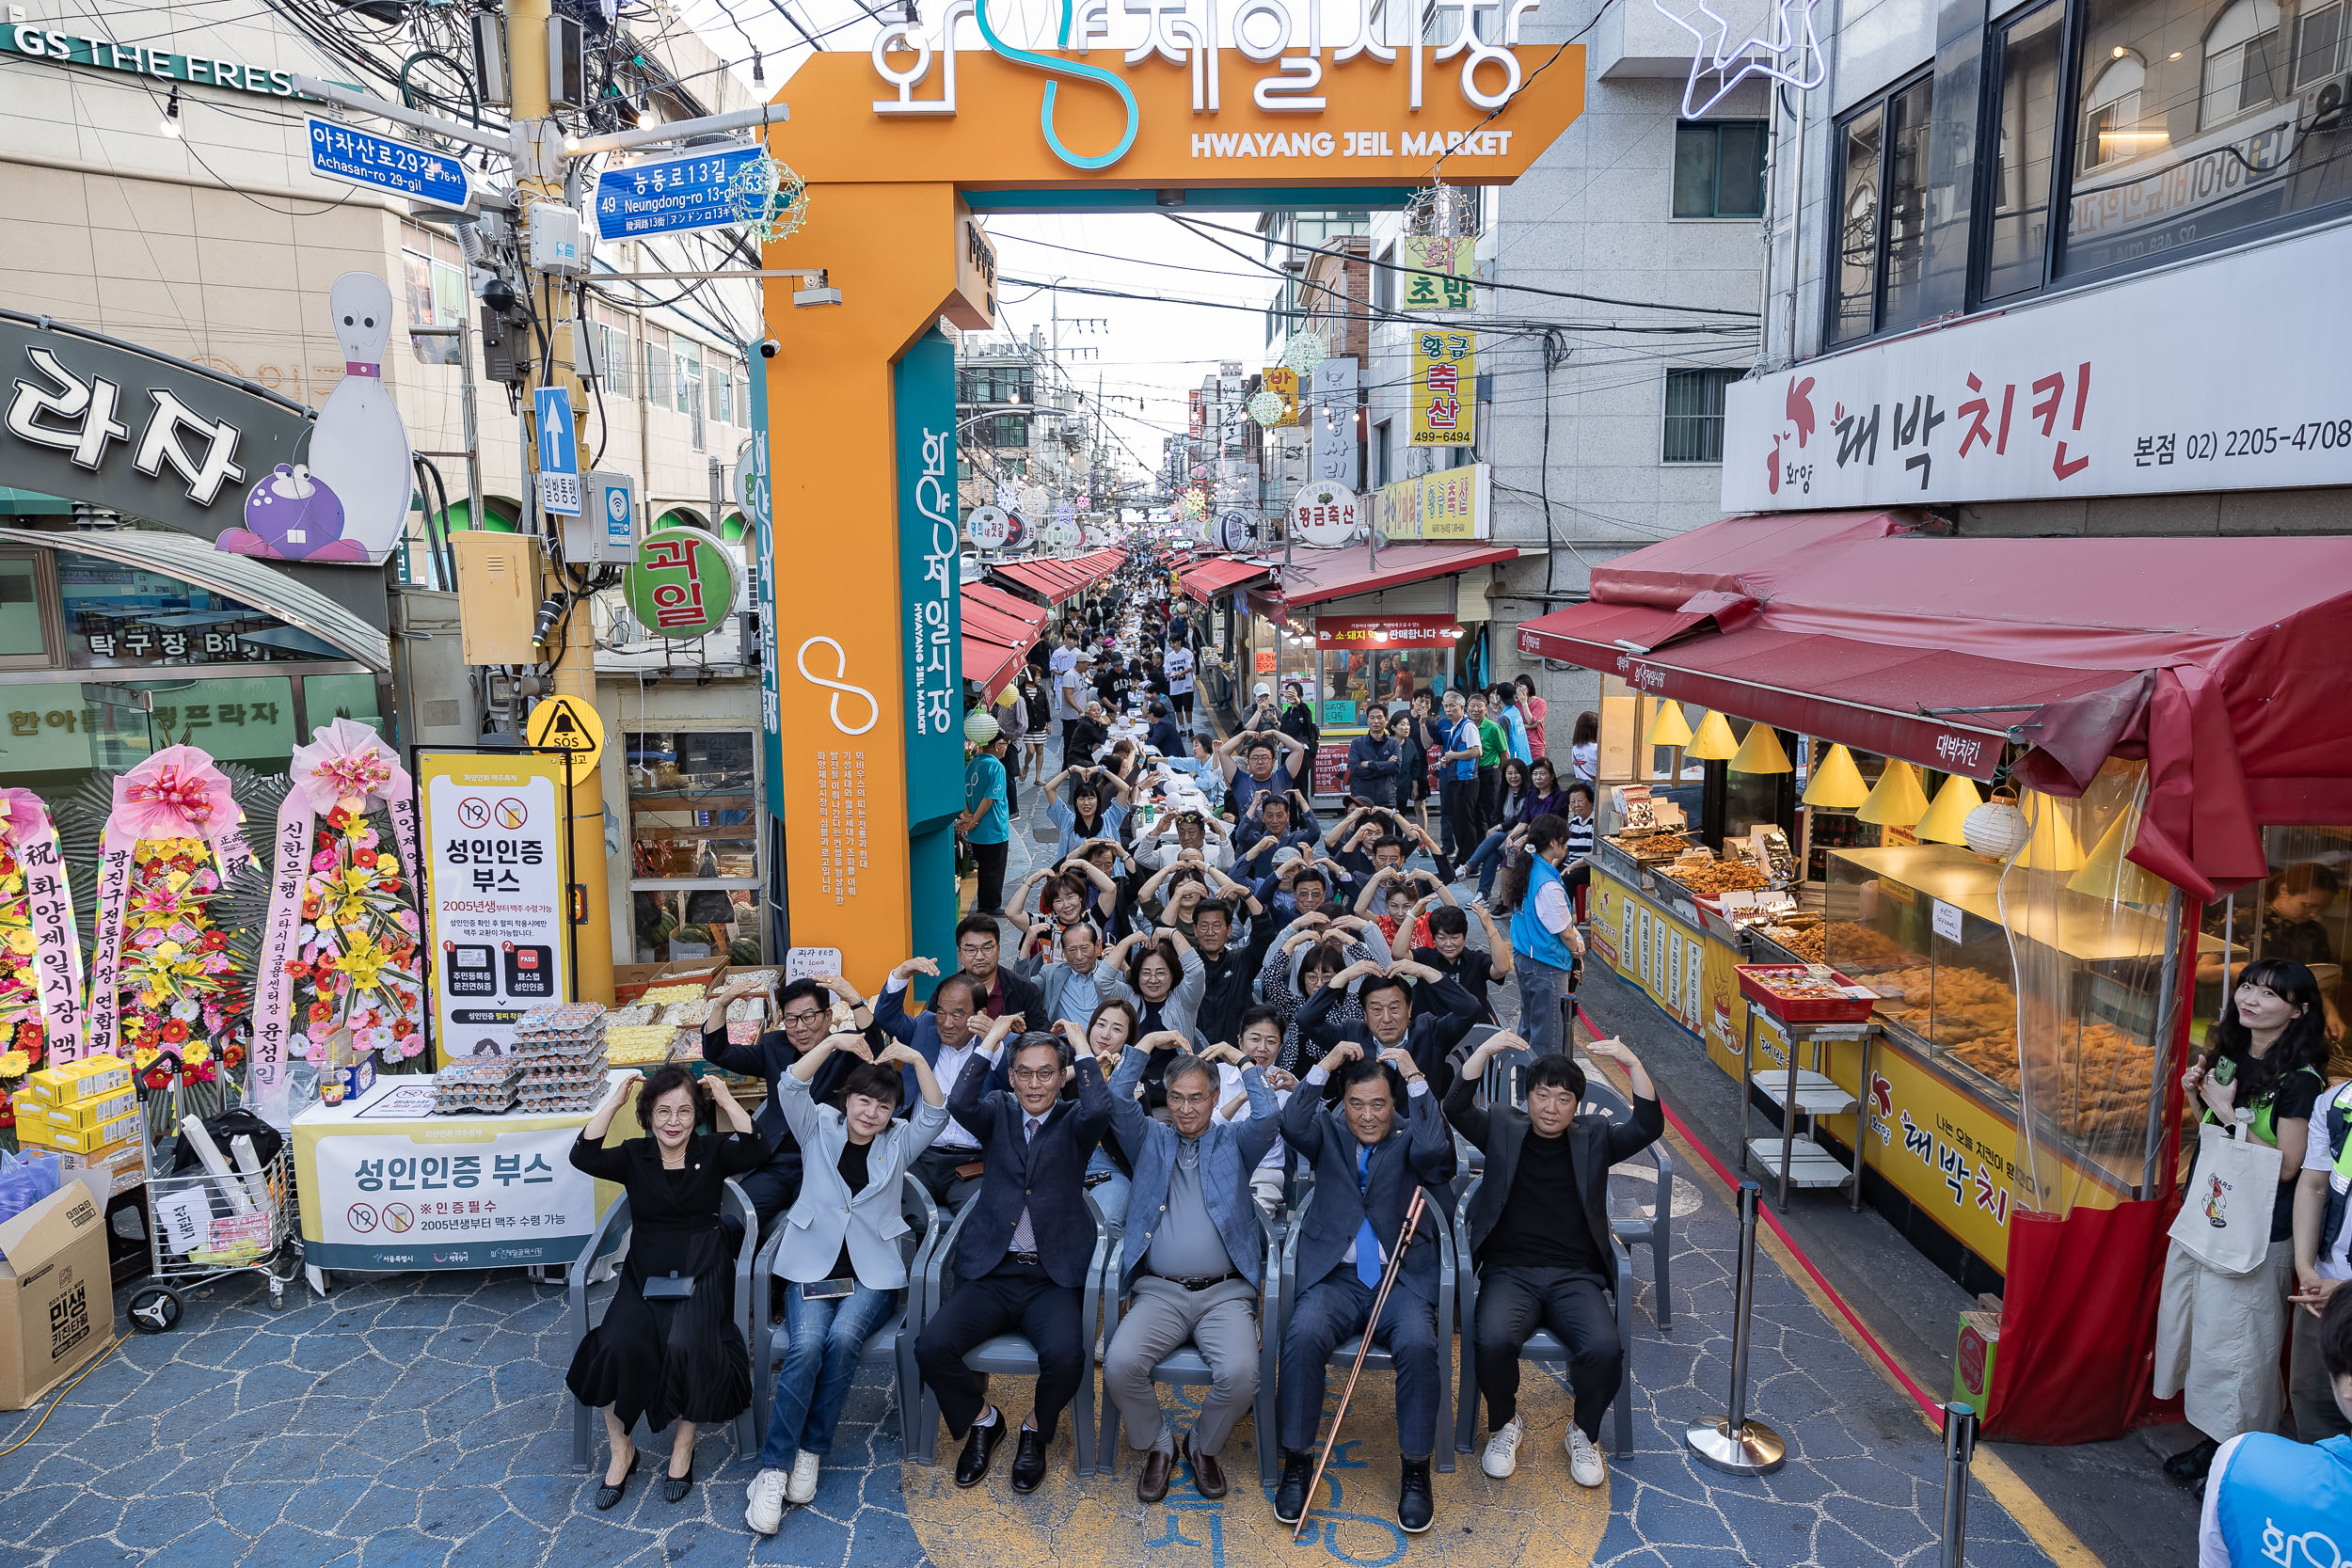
(723, 391)
(656, 367)
(2023, 155)
(620, 354)
(1882, 235)
(1695, 414)
(2320, 43)
(436, 290)
(1719, 168)
(2111, 112)
(1383, 455)
(2241, 52)
(1384, 281)
(694, 838)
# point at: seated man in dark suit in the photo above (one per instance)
(807, 1008)
(1367, 1161)
(997, 990)
(1429, 1020)
(1022, 1256)
(1539, 1237)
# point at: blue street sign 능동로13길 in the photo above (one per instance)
(661, 195)
(364, 158)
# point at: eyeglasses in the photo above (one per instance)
(1190, 1101)
(972, 949)
(810, 1017)
(1035, 1074)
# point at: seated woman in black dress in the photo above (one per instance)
(668, 1348)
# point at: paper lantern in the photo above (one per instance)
(1264, 407)
(1713, 742)
(1947, 820)
(1760, 751)
(1895, 801)
(1997, 829)
(2053, 846)
(1836, 783)
(979, 726)
(1669, 728)
(2108, 875)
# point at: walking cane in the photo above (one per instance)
(1364, 1348)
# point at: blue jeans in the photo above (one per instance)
(826, 1338)
(1485, 860)
(1111, 1196)
(1541, 986)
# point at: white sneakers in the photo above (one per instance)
(1502, 1451)
(1586, 1465)
(802, 1487)
(765, 1514)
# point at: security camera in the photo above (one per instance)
(769, 348)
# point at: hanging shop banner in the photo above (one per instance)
(387, 1184)
(40, 957)
(1357, 633)
(1444, 390)
(1437, 273)
(356, 983)
(1334, 451)
(1442, 505)
(1325, 516)
(682, 584)
(496, 871)
(161, 979)
(1283, 383)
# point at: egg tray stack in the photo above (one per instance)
(478, 1086)
(560, 1050)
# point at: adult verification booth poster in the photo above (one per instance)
(495, 873)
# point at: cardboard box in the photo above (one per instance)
(95, 1139)
(56, 1298)
(81, 1115)
(123, 1168)
(91, 1077)
(631, 981)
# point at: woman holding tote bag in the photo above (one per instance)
(2219, 1328)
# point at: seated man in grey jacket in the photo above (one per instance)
(1192, 1259)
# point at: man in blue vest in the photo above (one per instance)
(1544, 943)
(2268, 1500)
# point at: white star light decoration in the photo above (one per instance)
(1793, 40)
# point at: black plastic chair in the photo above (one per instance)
(1542, 1345)
(1344, 1354)
(894, 1342)
(1011, 1353)
(609, 1233)
(1186, 1366)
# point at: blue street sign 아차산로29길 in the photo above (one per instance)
(379, 163)
(694, 190)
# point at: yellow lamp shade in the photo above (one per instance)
(2054, 845)
(1669, 728)
(2108, 875)
(1713, 742)
(1895, 801)
(1836, 783)
(1761, 752)
(1947, 820)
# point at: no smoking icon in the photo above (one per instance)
(473, 811)
(511, 814)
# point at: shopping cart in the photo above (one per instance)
(204, 1227)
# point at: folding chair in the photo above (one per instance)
(1542, 1345)
(894, 1342)
(1186, 1366)
(1011, 1353)
(610, 1232)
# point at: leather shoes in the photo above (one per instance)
(675, 1488)
(1028, 1461)
(1415, 1508)
(609, 1494)
(2192, 1462)
(1290, 1498)
(972, 1466)
(1152, 1480)
(1208, 1476)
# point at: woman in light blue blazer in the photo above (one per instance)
(840, 1252)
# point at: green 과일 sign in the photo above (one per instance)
(682, 584)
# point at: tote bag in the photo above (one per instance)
(2224, 1222)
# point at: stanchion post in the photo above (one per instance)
(1960, 1448)
(1731, 1443)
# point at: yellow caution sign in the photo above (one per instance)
(570, 725)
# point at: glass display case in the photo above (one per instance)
(1923, 927)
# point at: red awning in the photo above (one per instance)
(1010, 606)
(980, 620)
(2219, 661)
(1215, 576)
(989, 665)
(1316, 577)
(1057, 580)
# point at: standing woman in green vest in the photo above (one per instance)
(1543, 941)
(2218, 1336)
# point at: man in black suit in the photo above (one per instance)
(1020, 1258)
(995, 990)
(1427, 1021)
(1539, 1237)
(1367, 1161)
(808, 1010)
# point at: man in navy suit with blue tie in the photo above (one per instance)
(1368, 1159)
(1021, 1259)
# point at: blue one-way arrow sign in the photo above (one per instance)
(379, 163)
(559, 451)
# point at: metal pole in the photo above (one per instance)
(1731, 1443)
(1959, 1447)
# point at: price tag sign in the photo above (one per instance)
(1946, 918)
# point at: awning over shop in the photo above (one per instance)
(236, 576)
(1313, 577)
(989, 665)
(2217, 661)
(1214, 577)
(986, 621)
(1012, 605)
(1057, 580)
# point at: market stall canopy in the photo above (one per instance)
(1011, 605)
(1057, 580)
(2217, 661)
(1313, 577)
(1212, 577)
(999, 629)
(235, 576)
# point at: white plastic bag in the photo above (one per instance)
(2224, 1222)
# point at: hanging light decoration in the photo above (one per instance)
(2051, 846)
(1997, 829)
(1836, 783)
(1760, 751)
(1669, 728)
(979, 726)
(1946, 821)
(1895, 801)
(1303, 352)
(1264, 407)
(1713, 742)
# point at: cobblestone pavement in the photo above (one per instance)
(421, 1420)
